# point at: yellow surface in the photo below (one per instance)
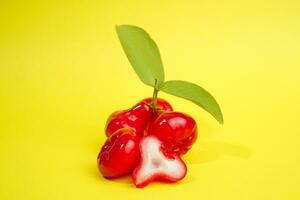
(62, 72)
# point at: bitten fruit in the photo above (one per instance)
(176, 130)
(120, 154)
(154, 164)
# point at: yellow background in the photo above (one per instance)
(63, 71)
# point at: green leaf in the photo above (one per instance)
(142, 53)
(196, 94)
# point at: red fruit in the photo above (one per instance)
(156, 165)
(120, 154)
(161, 104)
(178, 131)
(136, 118)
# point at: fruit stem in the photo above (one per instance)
(154, 97)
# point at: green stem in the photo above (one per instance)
(154, 97)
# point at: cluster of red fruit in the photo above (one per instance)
(147, 142)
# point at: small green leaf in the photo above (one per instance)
(142, 53)
(196, 94)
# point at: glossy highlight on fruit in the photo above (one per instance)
(137, 117)
(177, 130)
(161, 104)
(120, 153)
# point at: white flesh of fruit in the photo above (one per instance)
(155, 162)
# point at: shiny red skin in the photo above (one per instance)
(136, 118)
(120, 154)
(161, 104)
(178, 131)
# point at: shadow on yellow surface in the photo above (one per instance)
(211, 151)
